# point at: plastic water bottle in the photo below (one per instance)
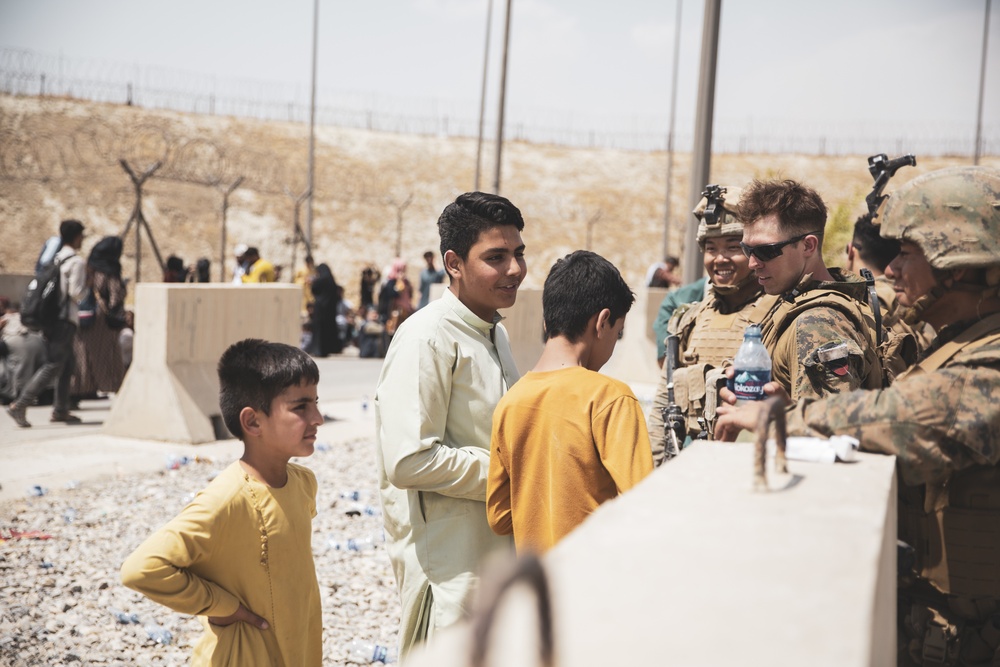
(124, 618)
(158, 634)
(365, 653)
(751, 367)
(351, 495)
(357, 543)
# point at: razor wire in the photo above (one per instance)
(25, 72)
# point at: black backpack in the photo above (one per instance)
(41, 305)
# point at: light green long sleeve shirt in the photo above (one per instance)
(443, 375)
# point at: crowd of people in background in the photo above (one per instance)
(86, 355)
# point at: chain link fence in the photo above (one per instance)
(28, 73)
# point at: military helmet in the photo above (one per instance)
(952, 214)
(728, 224)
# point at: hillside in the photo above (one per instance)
(59, 158)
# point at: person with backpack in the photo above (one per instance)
(58, 329)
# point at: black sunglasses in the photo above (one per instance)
(765, 252)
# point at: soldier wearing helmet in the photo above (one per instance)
(940, 419)
(711, 330)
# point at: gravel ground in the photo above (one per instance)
(58, 595)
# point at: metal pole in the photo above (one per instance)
(670, 135)
(482, 94)
(982, 86)
(503, 99)
(702, 158)
(312, 129)
(225, 208)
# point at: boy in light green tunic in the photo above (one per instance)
(240, 555)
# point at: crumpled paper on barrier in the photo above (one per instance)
(818, 450)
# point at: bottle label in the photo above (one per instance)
(749, 385)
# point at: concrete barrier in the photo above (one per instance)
(634, 359)
(171, 391)
(694, 568)
(12, 285)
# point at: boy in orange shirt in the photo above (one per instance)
(240, 554)
(566, 438)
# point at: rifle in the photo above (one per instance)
(882, 169)
(674, 423)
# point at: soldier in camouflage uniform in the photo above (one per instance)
(868, 250)
(941, 419)
(815, 321)
(711, 330)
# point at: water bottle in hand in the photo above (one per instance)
(751, 367)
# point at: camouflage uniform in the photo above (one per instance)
(709, 331)
(941, 419)
(892, 317)
(821, 337)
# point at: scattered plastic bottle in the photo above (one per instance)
(175, 462)
(124, 618)
(158, 634)
(37, 490)
(69, 516)
(356, 543)
(351, 495)
(73, 484)
(187, 498)
(365, 653)
(322, 446)
(751, 367)
(364, 403)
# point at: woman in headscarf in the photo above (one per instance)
(99, 364)
(325, 333)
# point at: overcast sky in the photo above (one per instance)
(795, 61)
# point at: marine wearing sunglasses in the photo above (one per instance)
(765, 252)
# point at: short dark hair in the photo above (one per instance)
(870, 246)
(579, 286)
(671, 260)
(69, 230)
(253, 372)
(469, 215)
(799, 208)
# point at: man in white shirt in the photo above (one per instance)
(446, 369)
(59, 339)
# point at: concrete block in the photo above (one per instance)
(694, 568)
(12, 285)
(171, 391)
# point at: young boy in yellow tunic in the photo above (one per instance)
(565, 437)
(240, 555)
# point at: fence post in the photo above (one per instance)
(128, 94)
(41, 92)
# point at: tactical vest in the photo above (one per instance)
(955, 526)
(708, 342)
(775, 313)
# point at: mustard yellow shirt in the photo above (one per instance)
(262, 271)
(563, 442)
(240, 541)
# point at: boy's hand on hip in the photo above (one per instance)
(241, 615)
